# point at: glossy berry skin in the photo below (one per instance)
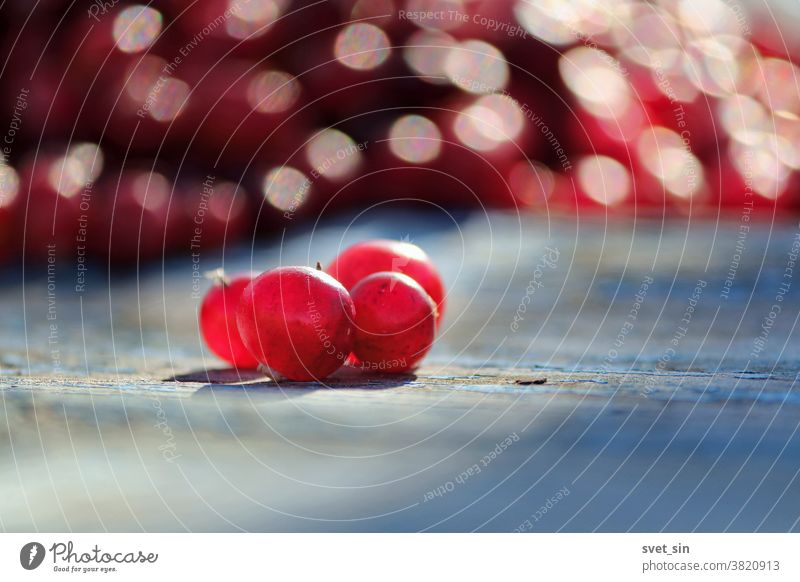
(298, 322)
(218, 322)
(375, 256)
(395, 322)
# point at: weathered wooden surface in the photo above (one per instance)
(109, 422)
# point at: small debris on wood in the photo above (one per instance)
(536, 381)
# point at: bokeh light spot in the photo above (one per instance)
(489, 122)
(362, 47)
(595, 78)
(273, 92)
(151, 190)
(333, 154)
(9, 185)
(477, 67)
(169, 99)
(532, 183)
(668, 157)
(286, 188)
(72, 172)
(251, 18)
(415, 139)
(426, 53)
(136, 28)
(604, 179)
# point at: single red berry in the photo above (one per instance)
(298, 322)
(218, 321)
(375, 256)
(395, 322)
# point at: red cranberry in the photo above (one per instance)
(218, 321)
(395, 322)
(297, 321)
(368, 257)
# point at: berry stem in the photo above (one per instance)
(219, 277)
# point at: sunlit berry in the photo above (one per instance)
(218, 321)
(395, 322)
(374, 256)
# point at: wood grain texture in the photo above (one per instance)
(115, 419)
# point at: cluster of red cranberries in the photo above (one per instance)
(377, 306)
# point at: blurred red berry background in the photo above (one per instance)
(136, 131)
